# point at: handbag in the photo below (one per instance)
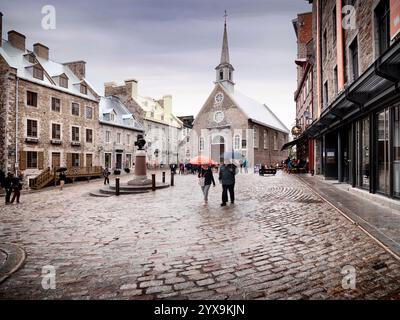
(201, 182)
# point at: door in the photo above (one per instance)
(383, 153)
(396, 153)
(218, 149)
(55, 160)
(107, 160)
(89, 160)
(118, 164)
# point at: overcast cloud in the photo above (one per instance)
(172, 47)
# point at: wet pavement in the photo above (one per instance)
(382, 222)
(279, 240)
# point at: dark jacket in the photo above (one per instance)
(207, 175)
(227, 174)
(62, 177)
(16, 183)
(8, 182)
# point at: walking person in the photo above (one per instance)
(62, 177)
(227, 179)
(16, 185)
(106, 175)
(8, 186)
(206, 177)
(245, 165)
(2, 178)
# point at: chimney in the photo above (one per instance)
(131, 86)
(109, 88)
(41, 51)
(1, 29)
(77, 67)
(16, 39)
(167, 104)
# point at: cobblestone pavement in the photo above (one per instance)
(279, 240)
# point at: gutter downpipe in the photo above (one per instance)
(16, 166)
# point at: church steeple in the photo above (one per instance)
(225, 69)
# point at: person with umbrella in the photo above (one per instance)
(205, 179)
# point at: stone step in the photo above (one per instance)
(110, 192)
(99, 194)
(159, 185)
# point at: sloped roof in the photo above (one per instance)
(112, 103)
(257, 112)
(15, 58)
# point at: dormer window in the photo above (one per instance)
(112, 116)
(63, 82)
(30, 57)
(83, 89)
(38, 73)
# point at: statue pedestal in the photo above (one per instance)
(140, 175)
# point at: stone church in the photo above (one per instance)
(230, 121)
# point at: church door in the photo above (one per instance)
(218, 148)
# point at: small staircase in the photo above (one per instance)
(46, 177)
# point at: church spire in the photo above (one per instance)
(225, 69)
(225, 47)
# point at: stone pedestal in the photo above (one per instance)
(140, 175)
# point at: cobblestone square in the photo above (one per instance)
(279, 240)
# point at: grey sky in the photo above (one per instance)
(172, 46)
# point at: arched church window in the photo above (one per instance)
(230, 75)
(201, 143)
(237, 142)
(255, 137)
(221, 75)
(218, 140)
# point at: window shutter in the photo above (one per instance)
(69, 160)
(40, 160)
(81, 159)
(22, 160)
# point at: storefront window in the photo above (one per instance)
(396, 153)
(383, 152)
(365, 151)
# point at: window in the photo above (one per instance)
(31, 159)
(162, 117)
(55, 104)
(75, 109)
(221, 75)
(244, 144)
(56, 131)
(63, 82)
(83, 89)
(31, 98)
(112, 116)
(32, 128)
(396, 152)
(75, 159)
(89, 135)
(128, 161)
(89, 113)
(354, 59)
(108, 136)
(75, 134)
(266, 139)
(201, 144)
(151, 114)
(325, 95)
(255, 137)
(335, 80)
(334, 25)
(382, 18)
(276, 141)
(325, 45)
(38, 73)
(187, 139)
(236, 142)
(128, 139)
(118, 137)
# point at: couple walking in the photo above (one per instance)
(226, 178)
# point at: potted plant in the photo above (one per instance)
(127, 170)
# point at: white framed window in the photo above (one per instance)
(56, 131)
(128, 139)
(236, 142)
(108, 136)
(31, 128)
(255, 137)
(266, 139)
(276, 141)
(89, 112)
(118, 137)
(201, 144)
(75, 134)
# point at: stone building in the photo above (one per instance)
(303, 95)
(356, 104)
(118, 133)
(49, 112)
(230, 121)
(184, 143)
(162, 127)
